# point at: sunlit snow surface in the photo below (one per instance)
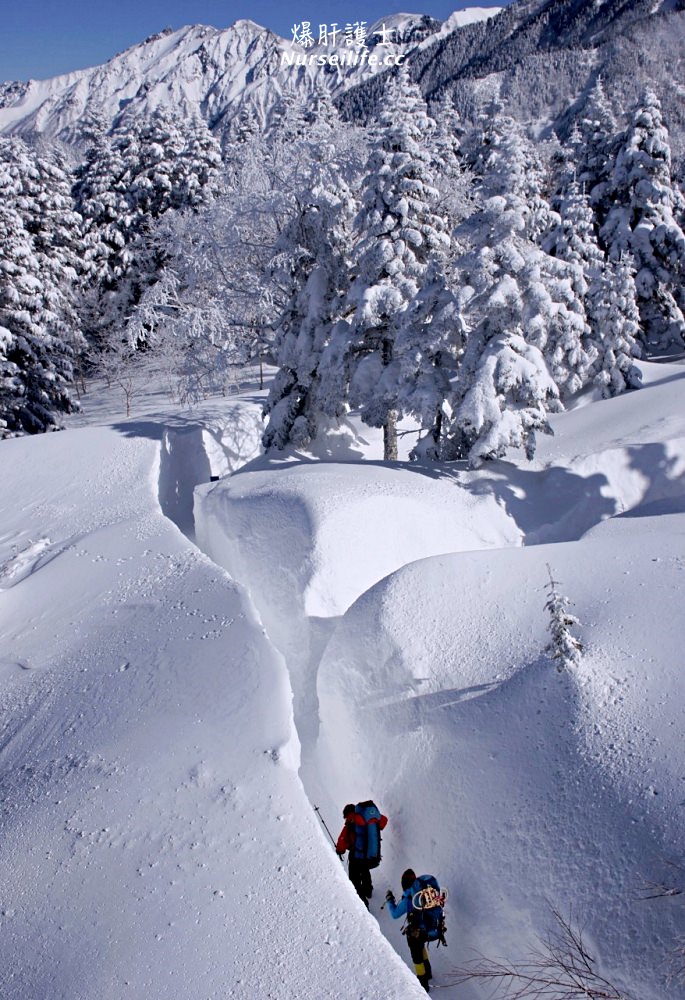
(381, 632)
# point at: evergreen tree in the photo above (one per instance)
(430, 342)
(290, 118)
(643, 223)
(35, 360)
(38, 275)
(42, 186)
(564, 647)
(563, 170)
(311, 268)
(397, 233)
(607, 292)
(502, 390)
(616, 317)
(453, 178)
(595, 142)
(554, 286)
(504, 162)
(110, 224)
(519, 309)
(556, 323)
(573, 237)
(241, 134)
(129, 180)
(245, 125)
(447, 136)
(322, 112)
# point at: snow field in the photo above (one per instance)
(156, 840)
(520, 787)
(381, 631)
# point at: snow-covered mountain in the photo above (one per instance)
(537, 57)
(196, 68)
(199, 70)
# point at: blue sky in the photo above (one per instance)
(41, 38)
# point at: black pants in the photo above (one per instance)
(416, 939)
(360, 877)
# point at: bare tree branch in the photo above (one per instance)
(663, 890)
(560, 969)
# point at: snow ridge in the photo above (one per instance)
(195, 70)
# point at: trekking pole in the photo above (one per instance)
(318, 813)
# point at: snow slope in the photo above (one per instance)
(156, 840)
(166, 727)
(194, 70)
(470, 15)
(522, 788)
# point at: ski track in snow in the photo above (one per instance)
(185, 846)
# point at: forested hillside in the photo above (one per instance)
(499, 235)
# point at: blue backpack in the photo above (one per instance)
(367, 833)
(428, 908)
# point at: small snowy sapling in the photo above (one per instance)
(564, 647)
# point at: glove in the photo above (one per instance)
(340, 854)
(390, 896)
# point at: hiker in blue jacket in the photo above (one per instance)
(417, 935)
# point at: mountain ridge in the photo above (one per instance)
(541, 56)
(199, 69)
(538, 58)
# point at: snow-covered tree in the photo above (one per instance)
(447, 135)
(35, 358)
(429, 344)
(100, 198)
(206, 304)
(517, 306)
(239, 136)
(594, 144)
(223, 297)
(289, 119)
(616, 318)
(604, 290)
(564, 648)
(41, 180)
(397, 234)
(573, 237)
(321, 112)
(311, 267)
(555, 315)
(38, 276)
(453, 178)
(502, 390)
(643, 222)
(128, 181)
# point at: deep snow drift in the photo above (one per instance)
(382, 632)
(156, 840)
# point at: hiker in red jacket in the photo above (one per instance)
(364, 849)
